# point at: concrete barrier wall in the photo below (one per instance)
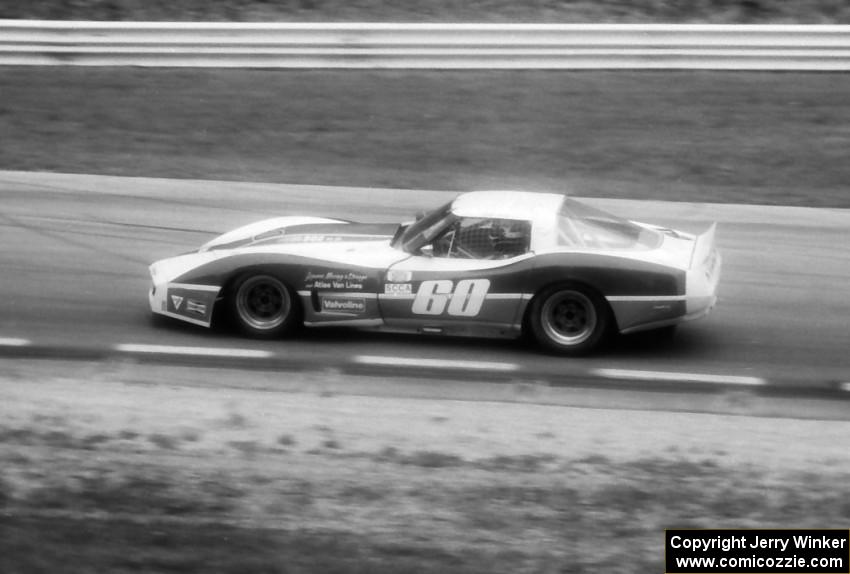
(438, 46)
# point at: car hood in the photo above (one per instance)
(289, 230)
(333, 240)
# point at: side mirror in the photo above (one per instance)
(420, 215)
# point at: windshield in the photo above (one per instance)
(424, 230)
(580, 225)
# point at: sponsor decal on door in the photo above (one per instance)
(343, 305)
(398, 289)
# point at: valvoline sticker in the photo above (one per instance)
(343, 305)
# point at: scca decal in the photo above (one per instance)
(463, 300)
(399, 289)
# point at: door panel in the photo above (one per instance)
(453, 295)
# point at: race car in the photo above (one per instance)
(487, 264)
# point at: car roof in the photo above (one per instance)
(528, 205)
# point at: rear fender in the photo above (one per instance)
(625, 283)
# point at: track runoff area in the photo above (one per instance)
(657, 386)
(118, 332)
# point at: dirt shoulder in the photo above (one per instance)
(166, 474)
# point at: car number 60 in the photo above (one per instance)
(463, 300)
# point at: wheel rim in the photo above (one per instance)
(569, 317)
(263, 302)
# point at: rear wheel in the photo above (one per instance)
(569, 319)
(262, 306)
(666, 333)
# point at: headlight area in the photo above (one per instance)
(154, 271)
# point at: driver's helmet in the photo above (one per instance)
(509, 238)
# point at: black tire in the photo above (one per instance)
(262, 306)
(665, 334)
(569, 319)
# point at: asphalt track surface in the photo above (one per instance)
(75, 251)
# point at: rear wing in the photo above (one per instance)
(703, 246)
(705, 256)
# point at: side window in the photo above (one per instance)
(483, 238)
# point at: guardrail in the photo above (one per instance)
(446, 46)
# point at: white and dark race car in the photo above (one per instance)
(490, 263)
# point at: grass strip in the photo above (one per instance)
(759, 138)
(724, 11)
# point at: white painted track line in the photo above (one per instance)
(198, 351)
(435, 363)
(684, 377)
(13, 342)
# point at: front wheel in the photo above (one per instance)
(569, 319)
(262, 306)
